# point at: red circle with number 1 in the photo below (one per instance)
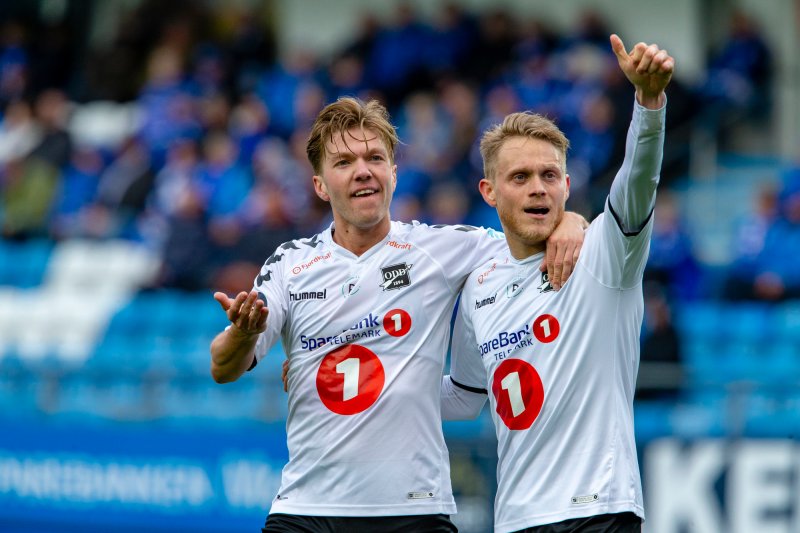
(397, 322)
(546, 328)
(350, 379)
(518, 393)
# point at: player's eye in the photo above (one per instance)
(377, 157)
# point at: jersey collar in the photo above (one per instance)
(531, 259)
(327, 237)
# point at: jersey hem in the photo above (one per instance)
(541, 520)
(361, 510)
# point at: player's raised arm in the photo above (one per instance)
(632, 196)
(233, 350)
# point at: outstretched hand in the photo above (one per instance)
(247, 312)
(648, 68)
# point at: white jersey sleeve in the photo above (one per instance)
(465, 360)
(633, 192)
(464, 390)
(459, 403)
(627, 220)
(270, 287)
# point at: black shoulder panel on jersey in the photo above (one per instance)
(253, 364)
(289, 245)
(266, 276)
(619, 223)
(458, 227)
(274, 258)
(313, 241)
(476, 390)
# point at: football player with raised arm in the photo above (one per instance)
(363, 312)
(559, 368)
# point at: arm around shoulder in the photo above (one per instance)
(563, 248)
(460, 402)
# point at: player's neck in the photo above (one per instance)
(359, 240)
(521, 250)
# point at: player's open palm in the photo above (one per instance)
(648, 67)
(246, 312)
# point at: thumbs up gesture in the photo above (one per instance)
(649, 69)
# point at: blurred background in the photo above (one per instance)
(152, 152)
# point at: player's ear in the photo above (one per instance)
(566, 180)
(394, 177)
(321, 189)
(487, 191)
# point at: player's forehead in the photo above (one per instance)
(354, 141)
(529, 152)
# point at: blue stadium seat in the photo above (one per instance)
(773, 412)
(78, 395)
(702, 361)
(699, 320)
(19, 391)
(702, 413)
(652, 419)
(202, 398)
(170, 331)
(748, 323)
(740, 361)
(787, 322)
(22, 264)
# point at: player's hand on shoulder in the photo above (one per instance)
(563, 249)
(285, 375)
(648, 67)
(247, 313)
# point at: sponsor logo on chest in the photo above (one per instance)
(399, 245)
(395, 276)
(305, 265)
(366, 327)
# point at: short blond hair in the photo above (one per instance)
(524, 124)
(340, 116)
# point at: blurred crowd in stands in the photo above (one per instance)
(214, 174)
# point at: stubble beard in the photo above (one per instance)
(529, 234)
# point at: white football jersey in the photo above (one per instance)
(560, 367)
(367, 338)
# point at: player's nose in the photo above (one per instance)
(536, 186)
(361, 169)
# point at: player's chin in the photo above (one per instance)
(368, 218)
(538, 231)
(538, 224)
